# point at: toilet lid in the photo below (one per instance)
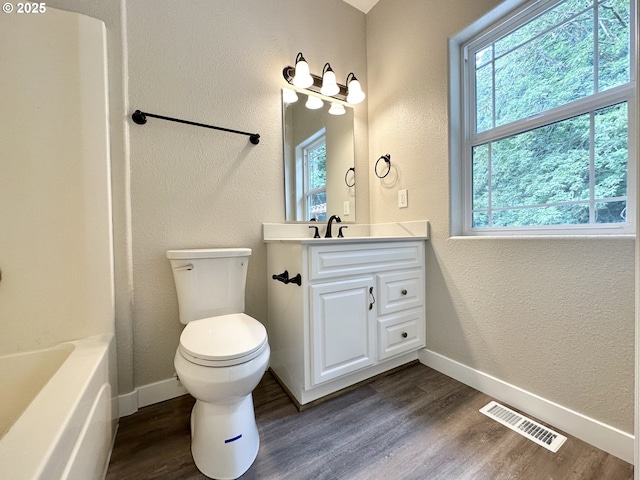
(225, 337)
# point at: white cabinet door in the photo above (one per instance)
(343, 335)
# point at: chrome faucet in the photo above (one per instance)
(331, 219)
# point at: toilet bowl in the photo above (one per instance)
(220, 358)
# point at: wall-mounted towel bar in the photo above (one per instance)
(141, 118)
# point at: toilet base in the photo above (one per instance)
(224, 438)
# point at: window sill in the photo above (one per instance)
(625, 236)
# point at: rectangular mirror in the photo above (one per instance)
(319, 173)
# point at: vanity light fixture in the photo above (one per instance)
(355, 93)
(300, 77)
(289, 96)
(337, 109)
(329, 84)
(314, 103)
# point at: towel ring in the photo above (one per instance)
(386, 158)
(352, 169)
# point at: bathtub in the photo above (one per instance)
(56, 412)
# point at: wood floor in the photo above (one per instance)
(414, 424)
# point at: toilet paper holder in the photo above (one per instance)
(284, 278)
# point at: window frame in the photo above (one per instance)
(504, 19)
(304, 192)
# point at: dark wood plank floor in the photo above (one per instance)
(414, 424)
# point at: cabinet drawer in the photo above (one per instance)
(400, 333)
(330, 261)
(400, 291)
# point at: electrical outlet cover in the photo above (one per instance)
(403, 200)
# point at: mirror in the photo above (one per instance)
(319, 171)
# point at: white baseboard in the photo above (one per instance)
(127, 404)
(598, 434)
(157, 392)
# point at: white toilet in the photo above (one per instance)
(222, 356)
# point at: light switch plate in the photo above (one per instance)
(346, 209)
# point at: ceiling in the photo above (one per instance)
(362, 5)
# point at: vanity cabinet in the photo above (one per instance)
(358, 312)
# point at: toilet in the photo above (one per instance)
(222, 356)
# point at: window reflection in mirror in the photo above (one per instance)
(318, 162)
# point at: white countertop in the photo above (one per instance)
(355, 233)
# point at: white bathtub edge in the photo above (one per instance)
(40, 443)
(92, 450)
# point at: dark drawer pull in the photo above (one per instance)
(404, 291)
(404, 335)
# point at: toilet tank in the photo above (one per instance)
(209, 281)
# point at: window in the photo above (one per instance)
(313, 195)
(548, 136)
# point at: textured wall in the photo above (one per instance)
(217, 62)
(552, 316)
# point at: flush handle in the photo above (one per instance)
(188, 266)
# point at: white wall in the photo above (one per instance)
(552, 316)
(55, 238)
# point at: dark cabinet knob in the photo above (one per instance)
(404, 335)
(404, 292)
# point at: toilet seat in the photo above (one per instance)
(223, 341)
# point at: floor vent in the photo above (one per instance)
(526, 427)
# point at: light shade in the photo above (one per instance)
(313, 103)
(354, 90)
(302, 77)
(337, 109)
(329, 83)
(289, 96)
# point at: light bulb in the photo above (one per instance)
(337, 109)
(355, 93)
(302, 77)
(329, 85)
(289, 96)
(313, 103)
